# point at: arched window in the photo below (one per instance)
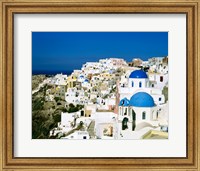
(140, 84)
(143, 115)
(132, 84)
(125, 113)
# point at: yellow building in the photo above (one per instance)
(71, 81)
(107, 76)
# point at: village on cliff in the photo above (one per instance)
(121, 100)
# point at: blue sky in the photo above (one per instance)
(69, 50)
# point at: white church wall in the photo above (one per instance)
(137, 83)
(139, 111)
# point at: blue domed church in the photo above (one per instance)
(138, 79)
(138, 103)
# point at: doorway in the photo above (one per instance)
(134, 118)
(125, 123)
(82, 113)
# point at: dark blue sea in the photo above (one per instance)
(45, 72)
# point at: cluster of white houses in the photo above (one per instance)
(120, 101)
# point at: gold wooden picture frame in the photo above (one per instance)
(11, 7)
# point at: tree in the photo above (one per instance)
(57, 98)
(71, 105)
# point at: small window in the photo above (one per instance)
(84, 137)
(160, 99)
(125, 113)
(143, 115)
(152, 85)
(161, 78)
(132, 84)
(140, 84)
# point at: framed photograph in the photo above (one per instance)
(99, 85)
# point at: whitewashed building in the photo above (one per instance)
(139, 81)
(140, 106)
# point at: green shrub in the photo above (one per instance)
(57, 99)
